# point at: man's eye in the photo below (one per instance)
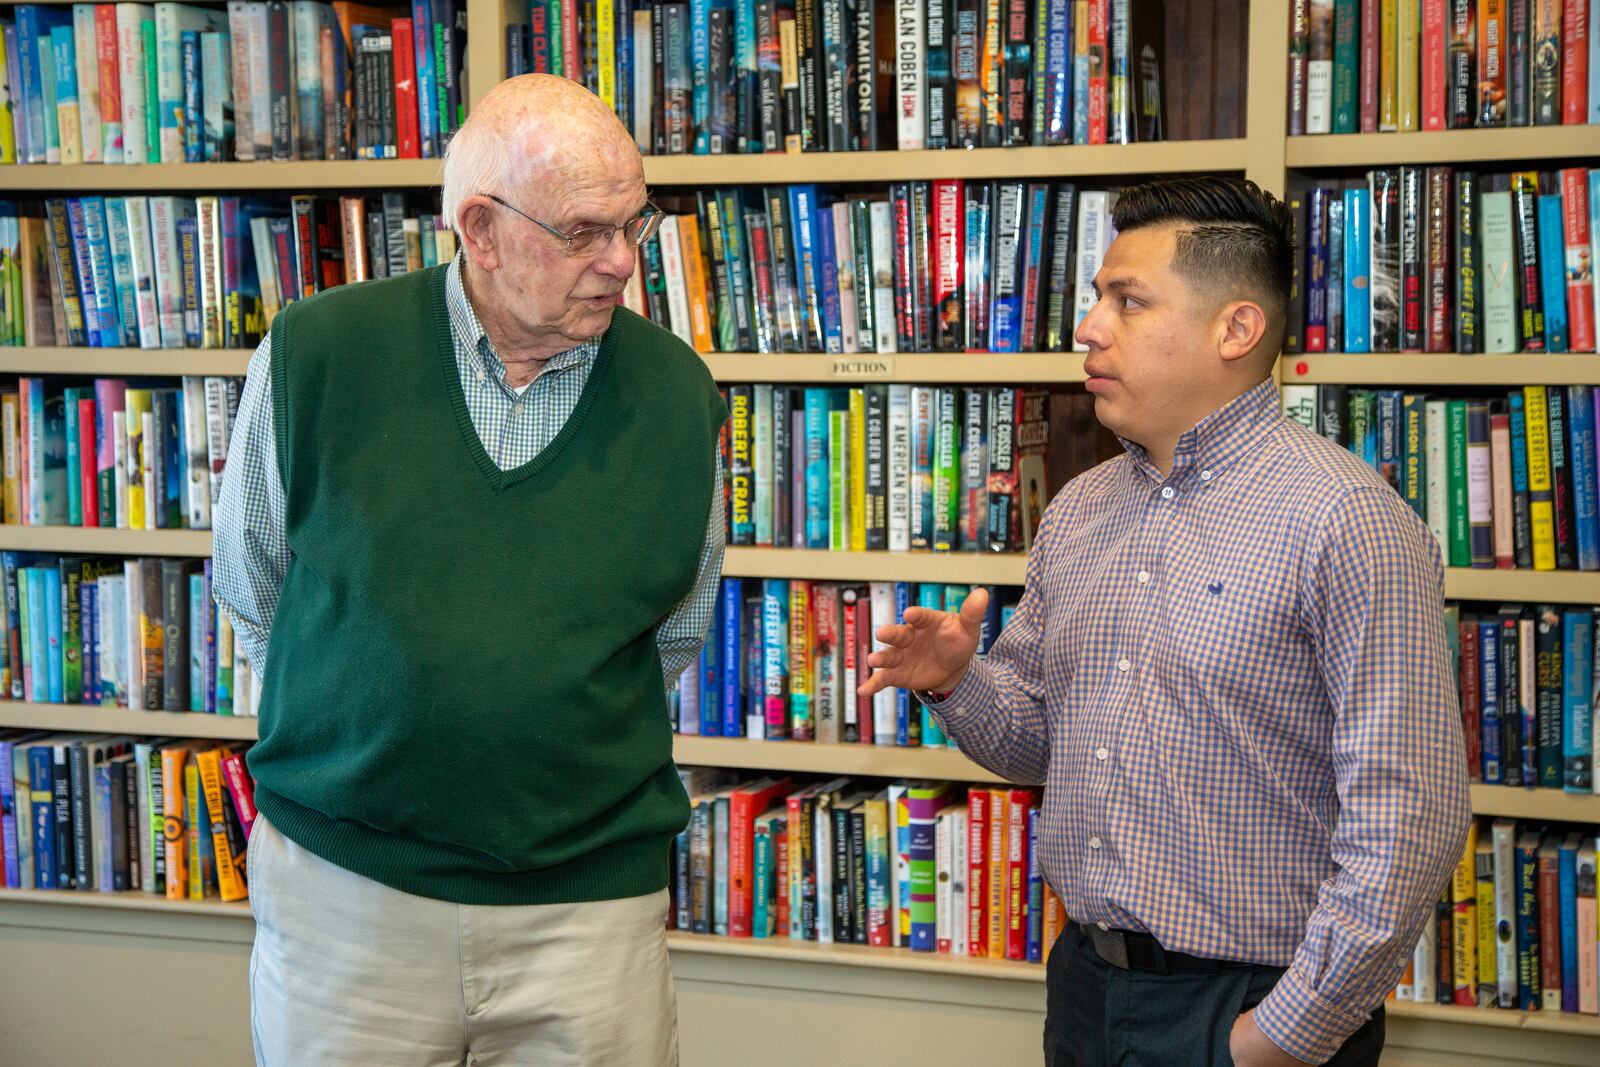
(1129, 302)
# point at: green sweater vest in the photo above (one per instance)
(463, 696)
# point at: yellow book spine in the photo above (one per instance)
(1483, 882)
(1388, 66)
(800, 667)
(1541, 497)
(9, 427)
(173, 828)
(1408, 59)
(858, 470)
(1464, 922)
(191, 800)
(605, 13)
(8, 140)
(136, 407)
(229, 884)
(71, 134)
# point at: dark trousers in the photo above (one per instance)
(1099, 1015)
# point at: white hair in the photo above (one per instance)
(476, 161)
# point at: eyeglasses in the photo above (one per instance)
(591, 240)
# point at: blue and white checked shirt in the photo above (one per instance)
(1234, 684)
(251, 551)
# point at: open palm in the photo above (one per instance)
(930, 650)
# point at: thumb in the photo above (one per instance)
(973, 609)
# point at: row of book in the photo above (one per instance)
(941, 266)
(104, 813)
(104, 453)
(783, 659)
(194, 272)
(133, 633)
(929, 866)
(183, 83)
(731, 76)
(1403, 65)
(1516, 926)
(1504, 480)
(1526, 680)
(1431, 259)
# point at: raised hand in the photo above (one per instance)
(930, 650)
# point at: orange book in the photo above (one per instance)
(1055, 919)
(174, 826)
(229, 883)
(694, 277)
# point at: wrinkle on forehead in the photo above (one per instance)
(559, 135)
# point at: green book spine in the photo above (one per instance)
(1416, 454)
(946, 475)
(839, 479)
(1346, 65)
(74, 458)
(152, 95)
(1460, 545)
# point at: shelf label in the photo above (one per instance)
(862, 368)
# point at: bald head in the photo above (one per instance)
(536, 132)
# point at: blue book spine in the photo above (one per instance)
(49, 101)
(1567, 893)
(817, 405)
(64, 64)
(1390, 419)
(711, 678)
(1080, 94)
(93, 327)
(193, 112)
(775, 657)
(1577, 676)
(1552, 270)
(97, 233)
(74, 459)
(8, 818)
(1580, 431)
(43, 804)
(744, 61)
(197, 650)
(1035, 916)
(754, 645)
(38, 634)
(122, 272)
(1315, 281)
(1519, 441)
(700, 65)
(101, 828)
(828, 286)
(1057, 73)
(624, 64)
(427, 78)
(51, 583)
(808, 272)
(27, 80)
(89, 612)
(1489, 698)
(902, 697)
(733, 665)
(1005, 307)
(761, 866)
(931, 595)
(1357, 272)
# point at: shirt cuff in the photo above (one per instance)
(1302, 1022)
(971, 695)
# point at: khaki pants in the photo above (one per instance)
(348, 971)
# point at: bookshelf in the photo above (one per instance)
(769, 984)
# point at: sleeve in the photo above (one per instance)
(996, 712)
(250, 550)
(1373, 604)
(681, 635)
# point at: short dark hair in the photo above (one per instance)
(1234, 236)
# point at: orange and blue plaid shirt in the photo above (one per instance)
(1234, 684)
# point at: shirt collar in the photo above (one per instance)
(1221, 437)
(470, 334)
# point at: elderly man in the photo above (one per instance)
(465, 528)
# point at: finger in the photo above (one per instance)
(923, 618)
(878, 680)
(896, 635)
(973, 609)
(889, 658)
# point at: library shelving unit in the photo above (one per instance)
(127, 954)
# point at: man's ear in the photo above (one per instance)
(1243, 326)
(477, 233)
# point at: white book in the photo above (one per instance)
(1499, 273)
(266, 266)
(1319, 71)
(133, 635)
(883, 276)
(109, 633)
(172, 20)
(119, 438)
(844, 259)
(141, 771)
(958, 879)
(88, 63)
(633, 292)
(643, 80)
(197, 454)
(1503, 836)
(165, 211)
(147, 472)
(944, 916)
(883, 702)
(822, 854)
(677, 287)
(910, 81)
(1093, 209)
(238, 75)
(147, 315)
(899, 467)
(1425, 964)
(208, 239)
(1588, 919)
(1300, 405)
(1436, 420)
(761, 464)
(130, 61)
(216, 420)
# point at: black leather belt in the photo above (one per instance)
(1132, 951)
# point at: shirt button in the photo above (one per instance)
(1124, 663)
(1094, 842)
(1101, 753)
(480, 377)
(1102, 926)
(1205, 476)
(1144, 577)
(1167, 492)
(961, 711)
(516, 409)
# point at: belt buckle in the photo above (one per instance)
(1110, 945)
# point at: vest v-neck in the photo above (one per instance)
(504, 479)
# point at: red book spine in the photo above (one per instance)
(241, 789)
(1099, 17)
(949, 250)
(1549, 900)
(105, 48)
(1467, 638)
(780, 875)
(904, 284)
(88, 472)
(977, 865)
(1435, 97)
(864, 705)
(407, 122)
(1016, 889)
(1369, 65)
(571, 46)
(741, 868)
(1575, 32)
(1580, 271)
(853, 729)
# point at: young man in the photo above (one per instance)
(465, 774)
(1229, 671)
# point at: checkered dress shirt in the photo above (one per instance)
(1234, 684)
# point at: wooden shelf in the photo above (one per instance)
(295, 176)
(898, 959)
(96, 718)
(915, 368)
(1547, 804)
(813, 564)
(1439, 369)
(1447, 146)
(878, 168)
(810, 757)
(1556, 587)
(127, 901)
(105, 541)
(1545, 1022)
(124, 362)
